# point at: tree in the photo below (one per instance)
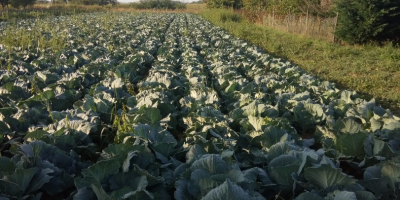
(224, 4)
(4, 3)
(158, 4)
(106, 2)
(92, 2)
(21, 3)
(368, 20)
(63, 1)
(254, 5)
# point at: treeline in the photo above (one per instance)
(16, 3)
(360, 21)
(158, 4)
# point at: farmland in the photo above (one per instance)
(169, 106)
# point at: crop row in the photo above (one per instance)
(169, 106)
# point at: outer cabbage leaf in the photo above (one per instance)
(325, 176)
(282, 168)
(96, 173)
(229, 190)
(308, 196)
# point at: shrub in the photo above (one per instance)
(368, 20)
(158, 4)
(228, 16)
(4, 3)
(21, 3)
(224, 4)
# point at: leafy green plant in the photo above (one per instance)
(224, 4)
(21, 3)
(170, 106)
(158, 4)
(368, 20)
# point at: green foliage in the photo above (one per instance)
(210, 116)
(255, 5)
(224, 4)
(22, 3)
(349, 66)
(284, 7)
(326, 176)
(229, 16)
(4, 3)
(158, 4)
(107, 2)
(368, 20)
(51, 10)
(93, 2)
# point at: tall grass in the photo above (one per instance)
(321, 27)
(373, 71)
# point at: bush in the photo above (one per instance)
(158, 4)
(229, 16)
(224, 4)
(21, 3)
(4, 3)
(365, 21)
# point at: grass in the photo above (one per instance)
(195, 7)
(370, 70)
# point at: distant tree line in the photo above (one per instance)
(158, 4)
(16, 3)
(359, 21)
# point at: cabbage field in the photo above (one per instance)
(168, 106)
